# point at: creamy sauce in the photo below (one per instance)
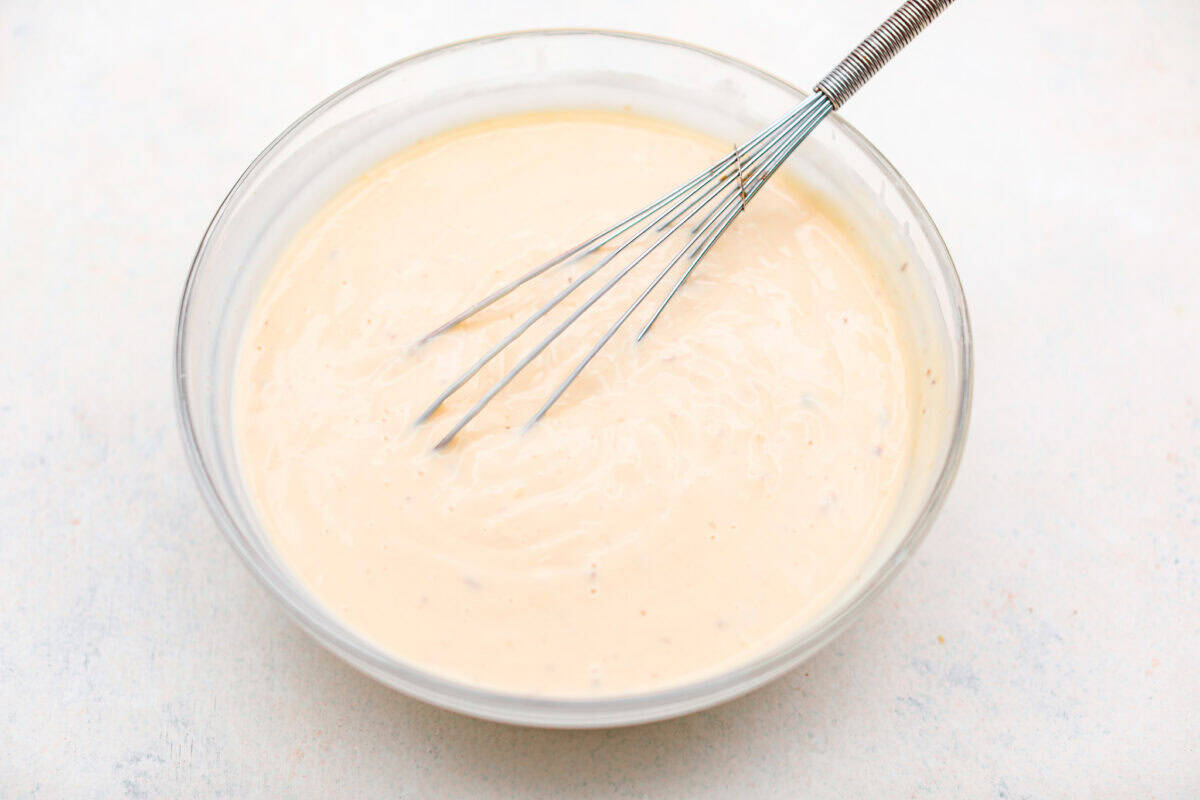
(690, 501)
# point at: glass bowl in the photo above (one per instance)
(401, 103)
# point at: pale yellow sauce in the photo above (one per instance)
(688, 502)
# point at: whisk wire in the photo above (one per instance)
(515, 333)
(562, 387)
(741, 183)
(557, 331)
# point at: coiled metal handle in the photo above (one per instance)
(877, 49)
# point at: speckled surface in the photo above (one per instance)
(1043, 643)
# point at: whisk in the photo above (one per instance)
(708, 203)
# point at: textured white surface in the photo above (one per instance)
(1044, 642)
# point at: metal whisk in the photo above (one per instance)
(708, 203)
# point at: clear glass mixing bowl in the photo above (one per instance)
(463, 82)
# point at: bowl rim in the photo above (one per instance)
(559, 711)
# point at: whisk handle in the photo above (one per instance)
(877, 49)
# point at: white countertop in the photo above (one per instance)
(1044, 642)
